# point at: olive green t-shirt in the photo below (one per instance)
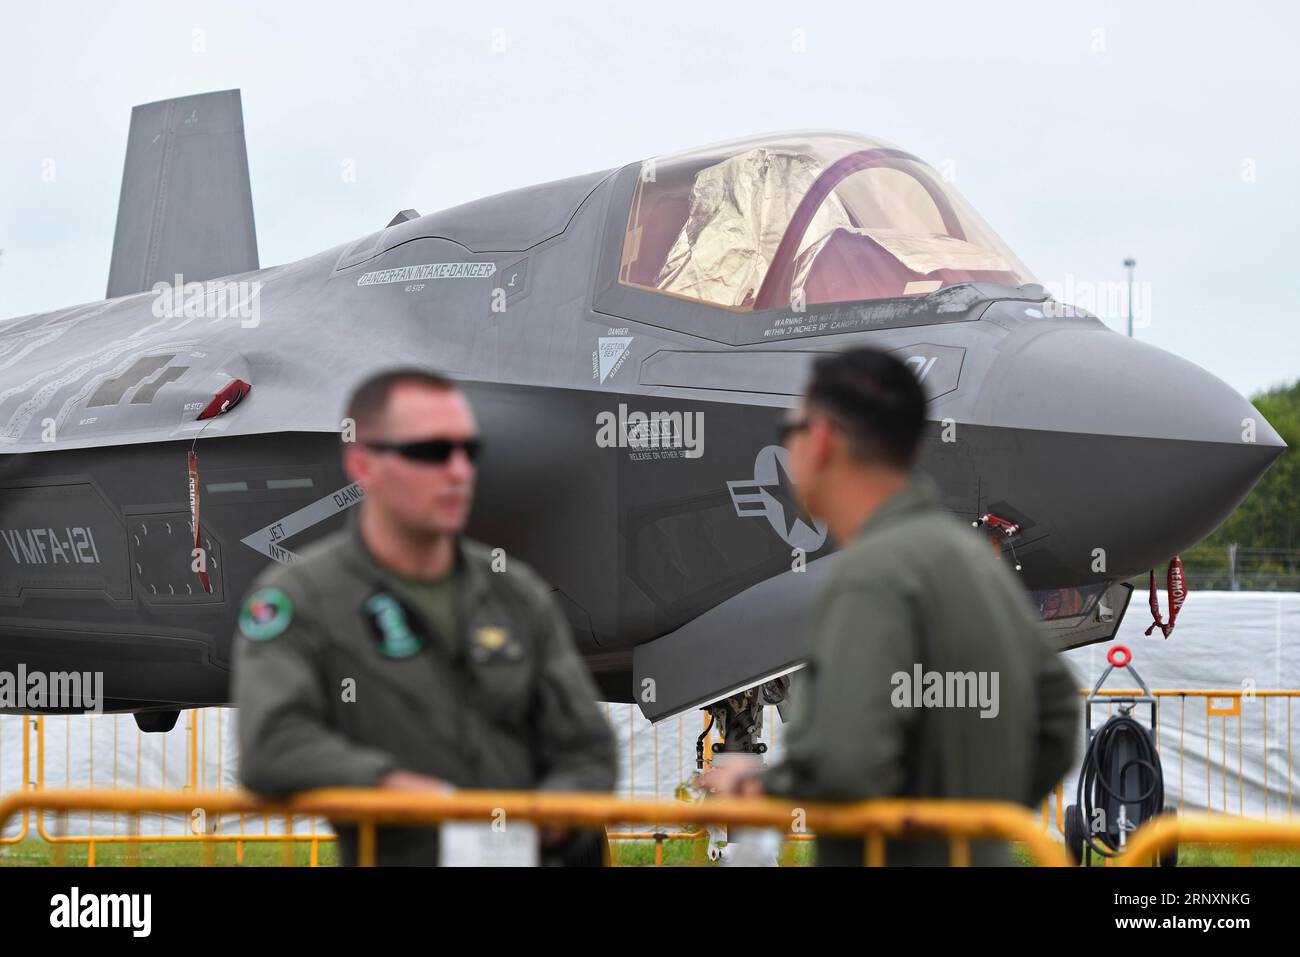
(438, 603)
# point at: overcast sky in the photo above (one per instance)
(1163, 131)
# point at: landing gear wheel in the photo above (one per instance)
(1074, 833)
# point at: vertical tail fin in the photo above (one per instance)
(186, 206)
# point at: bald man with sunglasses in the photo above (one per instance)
(399, 654)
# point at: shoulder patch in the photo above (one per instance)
(266, 614)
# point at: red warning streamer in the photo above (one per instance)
(1176, 586)
(194, 520)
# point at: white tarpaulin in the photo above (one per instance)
(1243, 641)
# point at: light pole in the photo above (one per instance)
(1129, 264)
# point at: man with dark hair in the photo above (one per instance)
(369, 400)
(398, 654)
(927, 675)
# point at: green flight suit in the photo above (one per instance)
(339, 679)
(919, 588)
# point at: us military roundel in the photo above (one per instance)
(266, 614)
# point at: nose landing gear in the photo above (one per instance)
(740, 719)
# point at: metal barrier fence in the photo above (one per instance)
(24, 783)
(1217, 721)
(1238, 568)
(1156, 838)
(959, 822)
(153, 760)
(150, 762)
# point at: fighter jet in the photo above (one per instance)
(630, 340)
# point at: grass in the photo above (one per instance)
(694, 853)
(35, 852)
(38, 853)
(1211, 855)
(676, 853)
(1219, 855)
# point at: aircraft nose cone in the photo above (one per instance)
(1095, 381)
(1120, 445)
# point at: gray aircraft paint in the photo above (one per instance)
(660, 574)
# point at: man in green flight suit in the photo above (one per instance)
(396, 653)
(927, 674)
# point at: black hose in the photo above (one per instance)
(699, 744)
(1095, 789)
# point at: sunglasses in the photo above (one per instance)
(787, 429)
(430, 451)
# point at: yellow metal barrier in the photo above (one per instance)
(877, 821)
(252, 828)
(25, 782)
(1214, 708)
(1156, 838)
(1225, 716)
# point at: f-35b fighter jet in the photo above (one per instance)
(630, 339)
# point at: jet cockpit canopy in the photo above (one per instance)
(814, 217)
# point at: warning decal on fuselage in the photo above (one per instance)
(423, 271)
(268, 540)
